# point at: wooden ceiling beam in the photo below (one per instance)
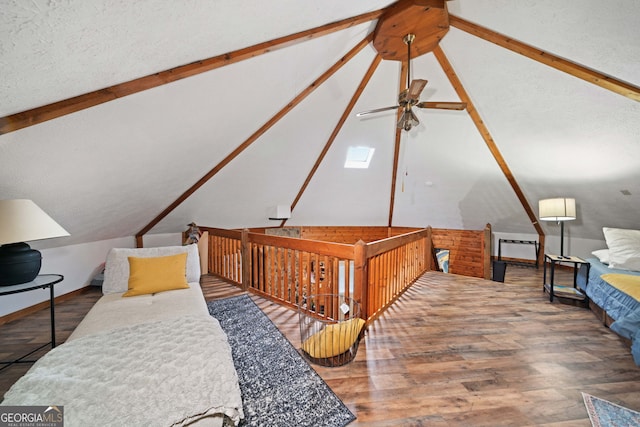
(486, 135)
(597, 78)
(336, 130)
(58, 109)
(257, 134)
(404, 70)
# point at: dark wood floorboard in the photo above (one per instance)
(453, 351)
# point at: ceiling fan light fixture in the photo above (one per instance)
(408, 120)
(409, 97)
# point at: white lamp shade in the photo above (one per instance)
(560, 209)
(21, 220)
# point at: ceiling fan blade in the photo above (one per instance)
(377, 110)
(443, 105)
(416, 88)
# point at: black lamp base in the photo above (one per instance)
(18, 264)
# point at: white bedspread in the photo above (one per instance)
(150, 374)
(112, 311)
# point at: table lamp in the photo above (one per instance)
(559, 210)
(22, 220)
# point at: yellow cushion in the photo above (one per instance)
(157, 274)
(627, 283)
(333, 339)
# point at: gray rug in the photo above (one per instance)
(278, 386)
(603, 413)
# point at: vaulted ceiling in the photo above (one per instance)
(272, 127)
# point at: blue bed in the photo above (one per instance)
(623, 309)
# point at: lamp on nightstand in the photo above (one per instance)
(559, 210)
(22, 220)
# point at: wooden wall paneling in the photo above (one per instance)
(344, 234)
(465, 250)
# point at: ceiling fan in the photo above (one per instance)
(409, 97)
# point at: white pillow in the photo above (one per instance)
(624, 248)
(602, 255)
(116, 272)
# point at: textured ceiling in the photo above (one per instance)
(107, 171)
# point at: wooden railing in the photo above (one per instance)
(393, 264)
(225, 253)
(287, 269)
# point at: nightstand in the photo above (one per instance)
(42, 281)
(559, 290)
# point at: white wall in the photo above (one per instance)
(572, 245)
(167, 239)
(78, 264)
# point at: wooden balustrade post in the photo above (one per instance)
(360, 287)
(428, 253)
(246, 259)
(486, 259)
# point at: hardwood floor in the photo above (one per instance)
(452, 351)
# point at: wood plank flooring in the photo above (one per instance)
(453, 351)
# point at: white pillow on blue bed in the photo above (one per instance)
(602, 255)
(116, 272)
(624, 248)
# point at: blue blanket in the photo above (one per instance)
(622, 308)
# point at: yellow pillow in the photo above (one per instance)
(156, 274)
(333, 339)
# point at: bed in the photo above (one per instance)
(613, 284)
(157, 358)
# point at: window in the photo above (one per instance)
(359, 157)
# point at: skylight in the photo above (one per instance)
(359, 157)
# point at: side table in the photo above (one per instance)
(557, 290)
(42, 281)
